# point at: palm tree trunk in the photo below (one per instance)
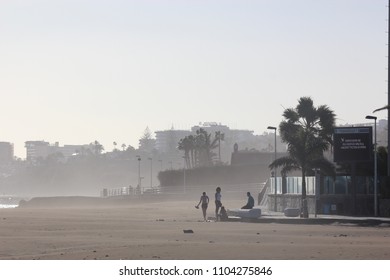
(192, 158)
(187, 158)
(305, 212)
(196, 158)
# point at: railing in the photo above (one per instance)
(228, 191)
(293, 185)
(127, 191)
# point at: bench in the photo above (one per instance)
(292, 212)
(245, 213)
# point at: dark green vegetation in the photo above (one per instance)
(198, 149)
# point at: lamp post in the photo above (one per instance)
(220, 136)
(140, 182)
(151, 172)
(139, 171)
(375, 168)
(317, 189)
(388, 89)
(161, 164)
(275, 175)
(184, 175)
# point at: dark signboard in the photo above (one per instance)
(352, 144)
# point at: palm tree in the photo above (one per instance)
(192, 147)
(198, 149)
(205, 146)
(307, 130)
(98, 148)
(184, 145)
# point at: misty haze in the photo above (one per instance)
(194, 130)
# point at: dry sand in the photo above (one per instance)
(154, 230)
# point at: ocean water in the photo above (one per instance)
(8, 206)
(9, 201)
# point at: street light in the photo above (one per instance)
(139, 171)
(220, 136)
(151, 172)
(317, 189)
(161, 164)
(275, 184)
(141, 190)
(184, 175)
(375, 168)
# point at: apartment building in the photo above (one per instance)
(42, 149)
(167, 140)
(6, 152)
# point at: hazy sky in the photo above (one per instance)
(76, 71)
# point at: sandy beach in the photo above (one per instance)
(154, 230)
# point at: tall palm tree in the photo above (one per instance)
(198, 149)
(219, 137)
(185, 145)
(206, 147)
(98, 148)
(192, 147)
(307, 131)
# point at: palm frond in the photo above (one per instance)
(283, 161)
(306, 110)
(326, 116)
(290, 115)
(288, 168)
(324, 165)
(382, 108)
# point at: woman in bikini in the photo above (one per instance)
(204, 199)
(218, 202)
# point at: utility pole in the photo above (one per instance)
(275, 171)
(375, 168)
(151, 172)
(184, 175)
(219, 136)
(388, 91)
(139, 171)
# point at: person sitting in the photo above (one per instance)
(223, 216)
(250, 203)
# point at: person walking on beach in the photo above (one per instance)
(218, 202)
(250, 203)
(204, 199)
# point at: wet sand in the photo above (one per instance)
(154, 230)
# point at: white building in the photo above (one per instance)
(167, 140)
(6, 152)
(42, 149)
